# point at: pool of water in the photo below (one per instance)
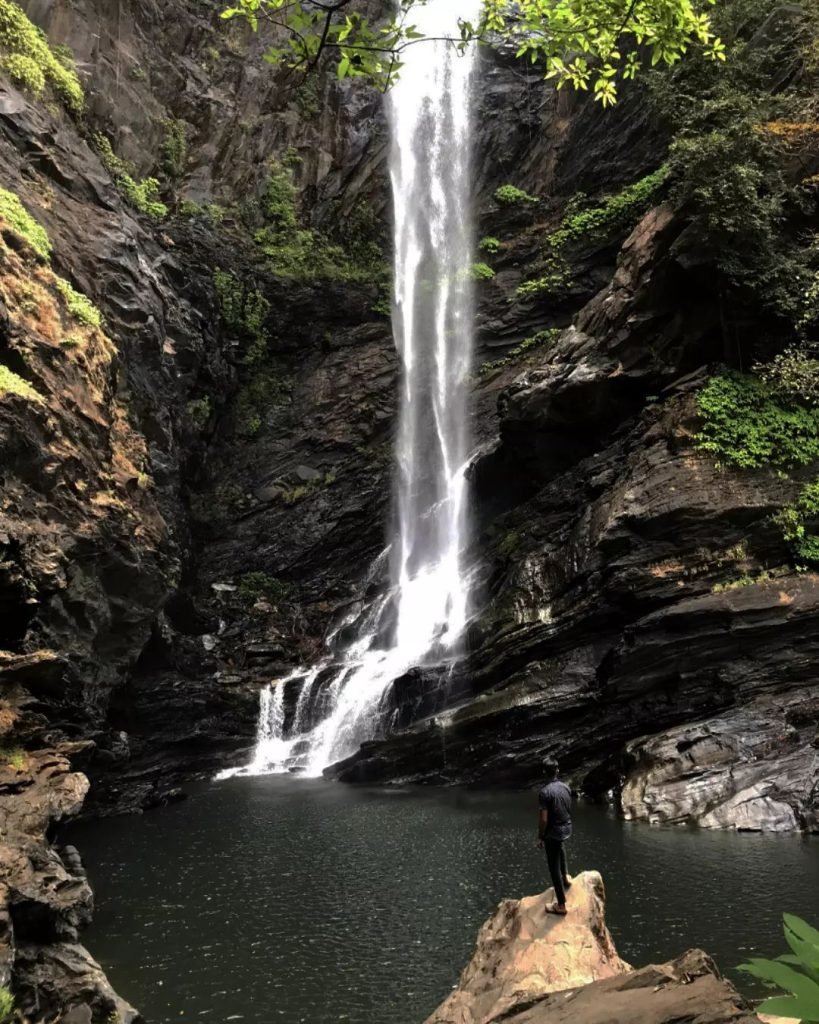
(274, 898)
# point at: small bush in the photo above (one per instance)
(510, 195)
(7, 1010)
(26, 56)
(23, 224)
(142, 195)
(12, 384)
(17, 758)
(79, 305)
(481, 272)
(793, 375)
(746, 425)
(489, 244)
(799, 524)
(174, 147)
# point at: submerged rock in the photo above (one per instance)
(533, 968)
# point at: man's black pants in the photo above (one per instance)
(556, 859)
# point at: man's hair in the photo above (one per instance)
(550, 769)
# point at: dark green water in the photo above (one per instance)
(275, 899)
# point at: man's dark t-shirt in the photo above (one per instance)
(556, 799)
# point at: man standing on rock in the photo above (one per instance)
(554, 827)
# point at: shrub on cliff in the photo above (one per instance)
(26, 57)
(17, 217)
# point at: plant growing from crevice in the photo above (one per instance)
(8, 1012)
(799, 524)
(25, 55)
(489, 244)
(79, 305)
(481, 272)
(534, 341)
(12, 384)
(511, 195)
(20, 221)
(142, 194)
(582, 224)
(199, 410)
(174, 147)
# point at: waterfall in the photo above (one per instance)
(433, 316)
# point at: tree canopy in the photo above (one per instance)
(588, 44)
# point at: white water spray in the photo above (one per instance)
(433, 315)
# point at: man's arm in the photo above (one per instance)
(542, 822)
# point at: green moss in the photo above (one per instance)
(142, 195)
(510, 195)
(71, 342)
(489, 244)
(481, 272)
(26, 57)
(261, 586)
(509, 542)
(8, 1013)
(17, 758)
(174, 147)
(23, 224)
(799, 524)
(581, 224)
(746, 425)
(79, 305)
(12, 384)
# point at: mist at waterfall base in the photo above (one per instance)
(278, 899)
(423, 614)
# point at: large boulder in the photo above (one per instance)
(523, 953)
(530, 967)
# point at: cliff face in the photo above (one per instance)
(206, 486)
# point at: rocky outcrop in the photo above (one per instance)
(630, 586)
(45, 898)
(522, 953)
(533, 968)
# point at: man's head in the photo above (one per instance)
(550, 770)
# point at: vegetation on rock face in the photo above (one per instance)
(174, 147)
(532, 342)
(799, 524)
(481, 272)
(746, 425)
(261, 586)
(294, 251)
(489, 244)
(26, 56)
(142, 195)
(577, 42)
(511, 195)
(740, 159)
(582, 224)
(79, 305)
(17, 217)
(797, 973)
(12, 384)
(7, 1010)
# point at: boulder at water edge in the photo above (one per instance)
(530, 967)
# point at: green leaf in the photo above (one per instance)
(785, 977)
(801, 929)
(789, 1006)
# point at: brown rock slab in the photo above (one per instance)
(523, 953)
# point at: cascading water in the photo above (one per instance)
(426, 607)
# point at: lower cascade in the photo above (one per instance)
(421, 618)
